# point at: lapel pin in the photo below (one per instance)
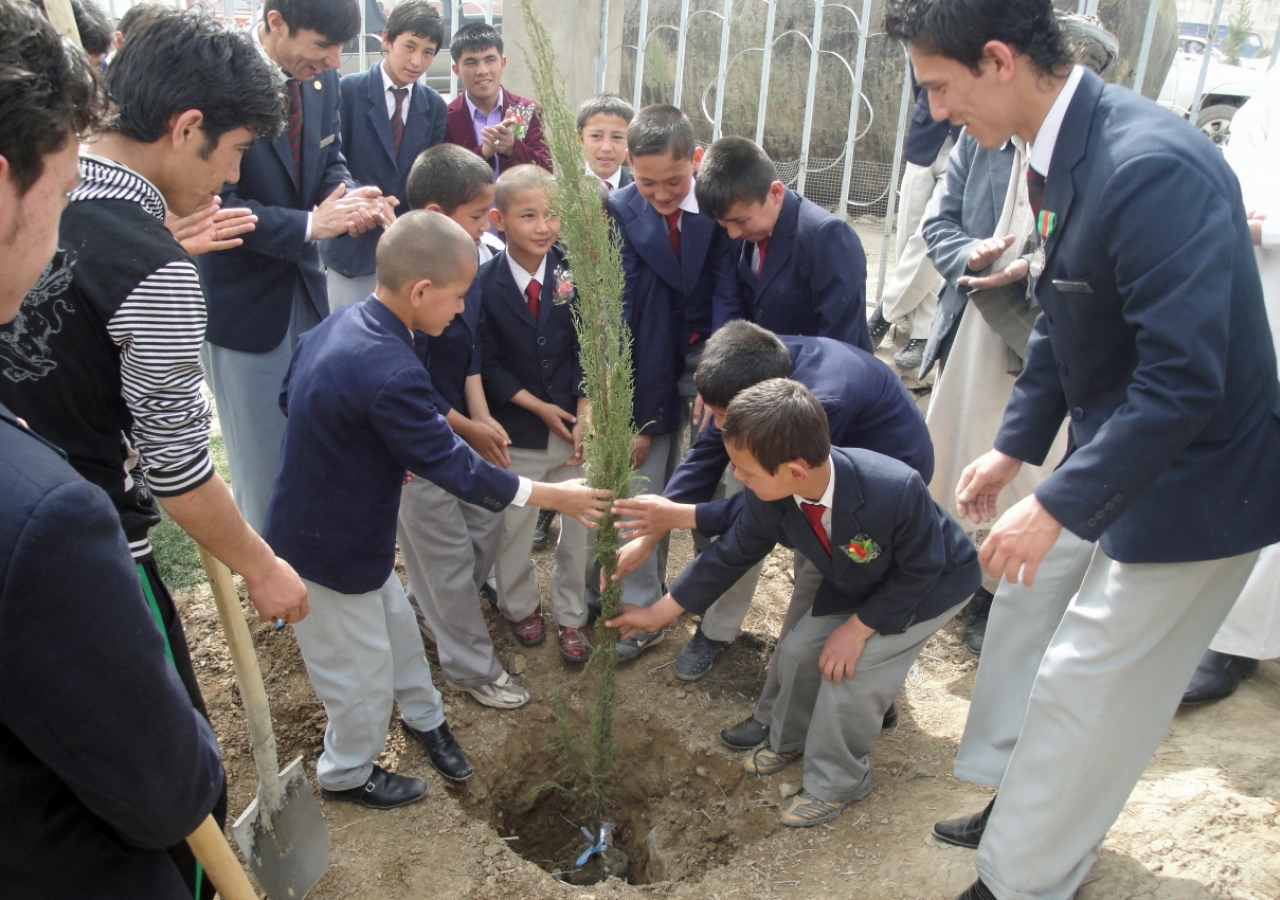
(316, 84)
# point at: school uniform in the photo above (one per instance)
(448, 545)
(620, 178)
(885, 552)
(384, 128)
(813, 280)
(539, 354)
(669, 303)
(465, 123)
(361, 412)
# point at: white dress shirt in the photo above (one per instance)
(387, 85)
(828, 497)
(1041, 149)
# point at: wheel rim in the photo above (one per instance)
(1218, 130)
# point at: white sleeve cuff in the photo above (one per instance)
(1271, 233)
(522, 492)
(307, 237)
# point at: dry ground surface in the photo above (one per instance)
(1204, 822)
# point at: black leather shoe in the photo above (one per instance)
(877, 327)
(890, 716)
(965, 831)
(443, 752)
(487, 591)
(542, 531)
(383, 790)
(975, 619)
(1218, 676)
(746, 735)
(977, 891)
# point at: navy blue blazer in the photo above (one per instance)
(925, 137)
(867, 406)
(666, 300)
(1153, 339)
(454, 355)
(920, 563)
(361, 412)
(814, 280)
(249, 289)
(105, 760)
(519, 353)
(371, 157)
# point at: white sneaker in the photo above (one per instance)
(499, 694)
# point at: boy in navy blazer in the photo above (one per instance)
(361, 411)
(679, 277)
(602, 130)
(801, 269)
(893, 568)
(388, 118)
(532, 379)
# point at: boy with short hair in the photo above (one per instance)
(532, 379)
(361, 411)
(449, 546)
(388, 118)
(487, 119)
(895, 568)
(801, 270)
(602, 130)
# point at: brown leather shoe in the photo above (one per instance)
(530, 630)
(575, 643)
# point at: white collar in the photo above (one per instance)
(690, 201)
(387, 83)
(522, 277)
(828, 496)
(473, 109)
(613, 180)
(1041, 149)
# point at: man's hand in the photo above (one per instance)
(211, 228)
(843, 647)
(501, 136)
(702, 415)
(554, 418)
(981, 483)
(387, 210)
(632, 619)
(579, 427)
(573, 498)
(1255, 225)
(989, 251)
(1019, 541)
(653, 515)
(1015, 271)
(489, 442)
(640, 449)
(278, 594)
(631, 556)
(340, 213)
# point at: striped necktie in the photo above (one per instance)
(673, 232)
(1035, 191)
(397, 119)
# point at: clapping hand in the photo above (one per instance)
(211, 227)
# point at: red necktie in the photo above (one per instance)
(533, 291)
(673, 235)
(1035, 191)
(295, 126)
(814, 511)
(397, 119)
(762, 247)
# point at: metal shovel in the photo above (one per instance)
(282, 832)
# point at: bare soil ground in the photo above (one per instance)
(1204, 822)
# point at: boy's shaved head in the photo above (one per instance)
(422, 244)
(519, 179)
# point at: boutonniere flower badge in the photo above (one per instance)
(523, 115)
(564, 286)
(862, 549)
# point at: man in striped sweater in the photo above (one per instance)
(103, 358)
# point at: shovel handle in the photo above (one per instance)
(210, 847)
(248, 677)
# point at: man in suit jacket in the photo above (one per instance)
(265, 293)
(388, 118)
(801, 269)
(502, 127)
(1154, 340)
(892, 568)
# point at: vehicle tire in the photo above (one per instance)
(1215, 121)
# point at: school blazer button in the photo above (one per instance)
(541, 341)
(1077, 414)
(545, 363)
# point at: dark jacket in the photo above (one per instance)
(103, 759)
(925, 137)
(1153, 339)
(361, 412)
(866, 404)
(532, 148)
(919, 565)
(371, 156)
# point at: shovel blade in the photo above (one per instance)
(287, 849)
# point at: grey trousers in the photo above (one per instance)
(807, 580)
(449, 546)
(246, 389)
(838, 723)
(344, 291)
(911, 293)
(364, 651)
(723, 618)
(1021, 624)
(519, 595)
(1107, 688)
(643, 587)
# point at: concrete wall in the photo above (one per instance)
(575, 28)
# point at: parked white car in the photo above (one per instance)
(1226, 88)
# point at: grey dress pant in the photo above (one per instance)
(1106, 689)
(449, 546)
(246, 389)
(723, 618)
(807, 581)
(344, 291)
(838, 723)
(363, 652)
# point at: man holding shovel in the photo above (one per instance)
(103, 760)
(103, 358)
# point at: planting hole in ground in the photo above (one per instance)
(676, 815)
